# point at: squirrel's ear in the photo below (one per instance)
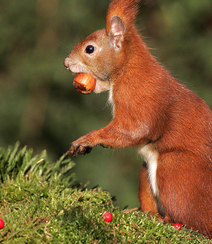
(117, 31)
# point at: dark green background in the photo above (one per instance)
(39, 106)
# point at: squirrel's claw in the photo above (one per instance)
(78, 149)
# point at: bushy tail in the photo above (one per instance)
(125, 9)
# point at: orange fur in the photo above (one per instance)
(169, 124)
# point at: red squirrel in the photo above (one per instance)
(168, 124)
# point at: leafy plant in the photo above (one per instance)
(15, 163)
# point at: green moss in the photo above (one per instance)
(44, 204)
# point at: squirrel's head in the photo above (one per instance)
(103, 53)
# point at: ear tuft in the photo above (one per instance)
(117, 31)
(126, 10)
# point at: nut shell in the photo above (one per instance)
(84, 83)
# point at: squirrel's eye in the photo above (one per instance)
(89, 49)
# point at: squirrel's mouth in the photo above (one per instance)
(74, 67)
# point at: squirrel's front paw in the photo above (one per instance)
(78, 149)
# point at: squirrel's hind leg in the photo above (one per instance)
(148, 202)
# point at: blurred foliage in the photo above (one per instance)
(39, 106)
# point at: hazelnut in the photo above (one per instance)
(84, 83)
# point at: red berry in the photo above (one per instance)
(177, 226)
(108, 216)
(1, 223)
